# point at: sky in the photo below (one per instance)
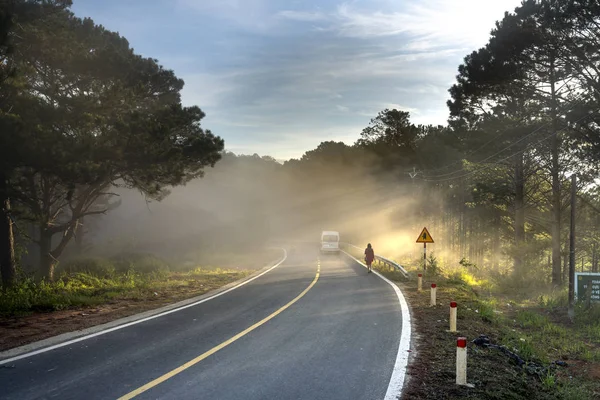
(278, 77)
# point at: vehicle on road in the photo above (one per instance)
(330, 242)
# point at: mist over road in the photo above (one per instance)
(338, 339)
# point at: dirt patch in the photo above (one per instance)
(19, 331)
(583, 368)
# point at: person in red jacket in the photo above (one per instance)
(369, 256)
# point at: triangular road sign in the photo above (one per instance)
(424, 237)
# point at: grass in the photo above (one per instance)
(93, 281)
(543, 333)
(534, 327)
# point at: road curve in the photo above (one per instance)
(321, 328)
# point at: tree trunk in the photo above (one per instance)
(462, 223)
(565, 264)
(47, 261)
(556, 218)
(595, 257)
(470, 239)
(64, 241)
(79, 234)
(8, 267)
(480, 244)
(555, 172)
(519, 216)
(496, 244)
(455, 230)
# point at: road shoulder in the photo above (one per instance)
(64, 338)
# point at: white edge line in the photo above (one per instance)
(396, 384)
(116, 328)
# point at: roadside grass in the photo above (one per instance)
(89, 282)
(535, 329)
(561, 358)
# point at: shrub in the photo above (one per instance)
(143, 263)
(93, 266)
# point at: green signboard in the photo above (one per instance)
(585, 281)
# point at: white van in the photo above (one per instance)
(330, 242)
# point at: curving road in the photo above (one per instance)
(315, 327)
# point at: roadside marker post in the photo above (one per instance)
(453, 309)
(425, 237)
(461, 362)
(419, 282)
(433, 294)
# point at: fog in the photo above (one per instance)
(248, 202)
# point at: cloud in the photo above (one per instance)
(375, 108)
(400, 107)
(289, 98)
(356, 24)
(425, 89)
(430, 23)
(206, 89)
(296, 144)
(280, 77)
(248, 15)
(226, 6)
(305, 16)
(430, 116)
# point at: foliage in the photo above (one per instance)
(89, 114)
(433, 268)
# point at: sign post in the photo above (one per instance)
(587, 284)
(425, 237)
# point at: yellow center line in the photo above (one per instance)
(212, 351)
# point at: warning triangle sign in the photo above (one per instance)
(424, 237)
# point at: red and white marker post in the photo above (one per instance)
(453, 309)
(461, 362)
(420, 282)
(433, 294)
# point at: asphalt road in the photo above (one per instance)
(338, 341)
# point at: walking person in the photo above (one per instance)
(369, 256)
